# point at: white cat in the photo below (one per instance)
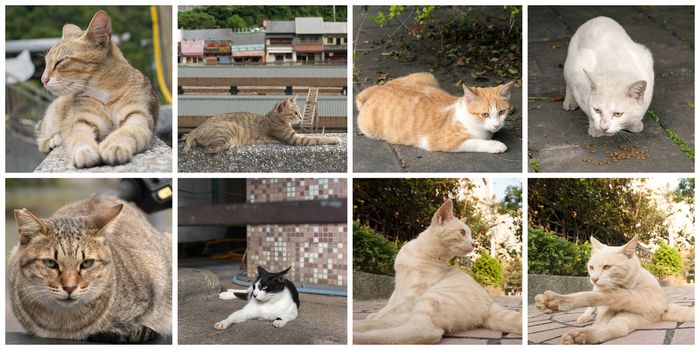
(609, 76)
(271, 297)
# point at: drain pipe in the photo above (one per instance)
(301, 288)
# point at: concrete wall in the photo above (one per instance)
(537, 284)
(367, 286)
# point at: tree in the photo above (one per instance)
(236, 22)
(513, 199)
(685, 191)
(195, 20)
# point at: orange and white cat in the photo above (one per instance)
(414, 110)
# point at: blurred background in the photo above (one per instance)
(31, 31)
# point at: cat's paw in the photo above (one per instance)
(46, 144)
(85, 156)
(496, 147)
(548, 302)
(570, 104)
(221, 325)
(228, 295)
(594, 132)
(585, 318)
(574, 336)
(636, 127)
(279, 323)
(114, 152)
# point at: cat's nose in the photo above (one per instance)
(594, 279)
(70, 289)
(44, 79)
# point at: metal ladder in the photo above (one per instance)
(307, 123)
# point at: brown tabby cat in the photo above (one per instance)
(414, 111)
(235, 129)
(106, 110)
(95, 270)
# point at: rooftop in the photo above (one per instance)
(329, 106)
(245, 38)
(262, 72)
(309, 25)
(280, 27)
(336, 27)
(207, 34)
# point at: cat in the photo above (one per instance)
(625, 295)
(106, 110)
(96, 270)
(414, 111)
(430, 297)
(231, 130)
(609, 76)
(271, 297)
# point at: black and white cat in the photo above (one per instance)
(271, 297)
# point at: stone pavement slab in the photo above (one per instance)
(558, 138)
(548, 328)
(362, 309)
(378, 156)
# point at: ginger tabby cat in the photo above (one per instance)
(414, 111)
(106, 110)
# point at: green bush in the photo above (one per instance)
(667, 261)
(487, 270)
(550, 254)
(372, 252)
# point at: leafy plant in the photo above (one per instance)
(667, 261)
(372, 252)
(487, 270)
(550, 254)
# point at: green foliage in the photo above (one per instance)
(383, 18)
(245, 17)
(535, 164)
(667, 261)
(689, 151)
(685, 191)
(487, 270)
(372, 252)
(549, 254)
(513, 199)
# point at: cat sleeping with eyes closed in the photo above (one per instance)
(413, 110)
(609, 76)
(271, 297)
(625, 296)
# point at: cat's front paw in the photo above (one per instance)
(85, 156)
(496, 147)
(221, 325)
(570, 104)
(114, 152)
(575, 336)
(548, 302)
(46, 144)
(637, 127)
(227, 295)
(594, 132)
(279, 323)
(585, 318)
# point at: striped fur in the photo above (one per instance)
(106, 110)
(413, 110)
(230, 130)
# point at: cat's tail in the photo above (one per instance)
(189, 138)
(504, 320)
(363, 96)
(677, 313)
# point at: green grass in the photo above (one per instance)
(535, 164)
(676, 139)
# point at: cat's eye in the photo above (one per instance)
(463, 232)
(484, 115)
(596, 110)
(605, 267)
(58, 62)
(87, 263)
(50, 263)
(618, 114)
(502, 112)
(590, 267)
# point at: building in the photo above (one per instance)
(279, 41)
(248, 47)
(335, 41)
(216, 44)
(308, 39)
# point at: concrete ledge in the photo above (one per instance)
(269, 158)
(196, 283)
(157, 159)
(537, 284)
(366, 286)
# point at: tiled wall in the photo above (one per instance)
(317, 253)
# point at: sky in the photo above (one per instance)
(500, 184)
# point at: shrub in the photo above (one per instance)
(487, 270)
(667, 261)
(550, 254)
(371, 251)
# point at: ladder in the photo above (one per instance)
(310, 110)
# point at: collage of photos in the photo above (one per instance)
(349, 174)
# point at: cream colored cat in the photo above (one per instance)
(609, 76)
(432, 298)
(626, 296)
(106, 110)
(414, 111)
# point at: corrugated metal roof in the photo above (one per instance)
(309, 25)
(207, 34)
(280, 27)
(329, 106)
(262, 72)
(242, 38)
(336, 27)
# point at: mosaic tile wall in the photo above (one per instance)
(317, 253)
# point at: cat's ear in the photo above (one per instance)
(284, 272)
(71, 31)
(636, 90)
(504, 90)
(99, 32)
(282, 105)
(443, 214)
(102, 220)
(592, 79)
(262, 271)
(630, 248)
(596, 243)
(293, 99)
(469, 93)
(28, 225)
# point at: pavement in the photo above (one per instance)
(548, 328)
(362, 308)
(321, 320)
(269, 158)
(559, 140)
(371, 64)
